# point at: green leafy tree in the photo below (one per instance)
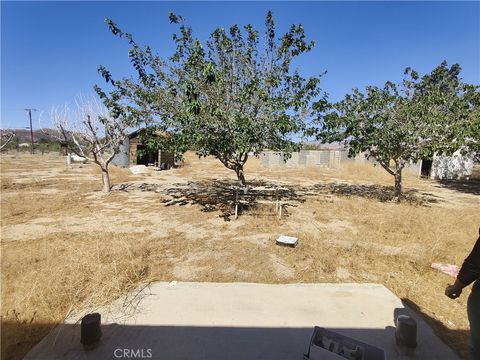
(463, 132)
(227, 98)
(47, 145)
(408, 121)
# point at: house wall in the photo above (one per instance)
(269, 159)
(327, 158)
(452, 167)
(475, 171)
(165, 157)
(414, 168)
(443, 167)
(133, 143)
(128, 154)
(122, 158)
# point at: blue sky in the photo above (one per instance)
(50, 51)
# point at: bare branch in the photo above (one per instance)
(6, 137)
(91, 132)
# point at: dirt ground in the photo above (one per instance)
(67, 245)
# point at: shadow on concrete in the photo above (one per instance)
(457, 339)
(202, 342)
(17, 338)
(191, 342)
(463, 186)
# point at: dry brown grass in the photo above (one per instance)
(476, 172)
(44, 280)
(342, 239)
(350, 171)
(118, 174)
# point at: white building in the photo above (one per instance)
(455, 167)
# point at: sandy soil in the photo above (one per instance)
(183, 220)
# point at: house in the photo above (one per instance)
(455, 167)
(133, 152)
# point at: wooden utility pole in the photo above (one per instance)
(31, 128)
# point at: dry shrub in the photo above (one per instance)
(6, 183)
(363, 171)
(476, 172)
(20, 206)
(27, 161)
(117, 174)
(368, 172)
(254, 164)
(60, 273)
(194, 168)
(192, 165)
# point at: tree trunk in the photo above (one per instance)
(240, 175)
(398, 183)
(105, 179)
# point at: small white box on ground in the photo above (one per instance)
(138, 169)
(287, 241)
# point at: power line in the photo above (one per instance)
(31, 127)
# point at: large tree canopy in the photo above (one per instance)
(233, 96)
(403, 122)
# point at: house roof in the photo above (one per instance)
(135, 133)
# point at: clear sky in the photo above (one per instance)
(50, 51)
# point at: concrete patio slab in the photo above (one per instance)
(241, 321)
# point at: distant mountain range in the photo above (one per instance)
(23, 135)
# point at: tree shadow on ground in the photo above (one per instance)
(376, 192)
(464, 186)
(221, 195)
